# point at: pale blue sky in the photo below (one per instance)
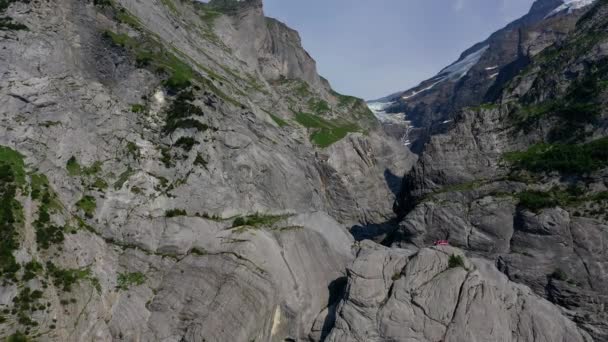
(370, 48)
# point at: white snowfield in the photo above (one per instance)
(378, 108)
(570, 5)
(459, 69)
(414, 93)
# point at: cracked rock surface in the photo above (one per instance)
(418, 295)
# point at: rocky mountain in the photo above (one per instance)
(175, 171)
(522, 181)
(178, 171)
(478, 75)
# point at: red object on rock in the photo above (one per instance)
(442, 243)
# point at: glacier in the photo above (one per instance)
(570, 5)
(459, 69)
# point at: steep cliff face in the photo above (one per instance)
(523, 181)
(175, 171)
(480, 72)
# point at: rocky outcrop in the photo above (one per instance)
(164, 181)
(500, 184)
(436, 294)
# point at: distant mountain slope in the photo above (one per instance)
(480, 72)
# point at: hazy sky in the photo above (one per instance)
(370, 48)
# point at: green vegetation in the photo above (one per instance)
(137, 190)
(88, 205)
(94, 169)
(18, 337)
(175, 213)
(127, 280)
(73, 167)
(99, 184)
(223, 6)
(180, 112)
(46, 232)
(149, 53)
(4, 4)
(200, 161)
(572, 196)
(209, 217)
(456, 261)
(14, 160)
(565, 158)
(125, 17)
(26, 302)
(208, 15)
(280, 122)
(302, 89)
(7, 24)
(256, 220)
(318, 106)
(31, 270)
(133, 150)
(325, 132)
(65, 279)
(559, 274)
(138, 108)
(186, 143)
(123, 178)
(344, 100)
(39, 185)
(12, 174)
(165, 157)
(102, 3)
(537, 200)
(581, 103)
(170, 5)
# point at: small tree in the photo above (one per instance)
(456, 261)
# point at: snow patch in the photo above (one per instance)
(491, 68)
(494, 75)
(459, 69)
(159, 97)
(570, 5)
(276, 321)
(414, 93)
(378, 106)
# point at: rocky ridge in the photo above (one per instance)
(479, 74)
